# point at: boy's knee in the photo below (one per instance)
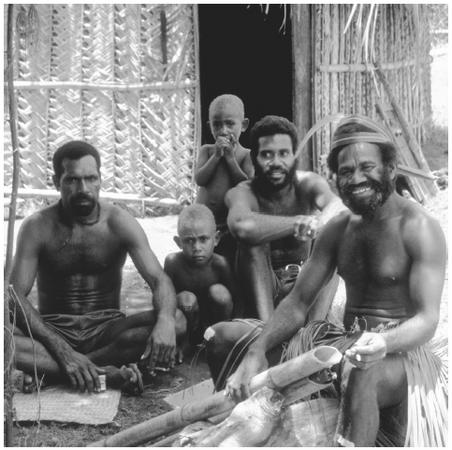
(220, 294)
(187, 302)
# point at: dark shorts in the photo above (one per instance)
(284, 281)
(83, 332)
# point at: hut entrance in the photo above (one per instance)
(244, 51)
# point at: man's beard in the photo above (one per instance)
(85, 209)
(366, 207)
(264, 184)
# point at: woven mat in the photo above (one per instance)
(62, 404)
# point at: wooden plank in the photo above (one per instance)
(302, 77)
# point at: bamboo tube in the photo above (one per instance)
(411, 140)
(276, 377)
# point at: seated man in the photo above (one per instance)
(77, 249)
(392, 256)
(272, 215)
(202, 278)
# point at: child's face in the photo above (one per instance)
(197, 240)
(227, 121)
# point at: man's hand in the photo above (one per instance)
(306, 228)
(82, 373)
(238, 384)
(369, 349)
(161, 346)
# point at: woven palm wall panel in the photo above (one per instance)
(122, 77)
(396, 36)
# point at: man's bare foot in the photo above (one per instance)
(127, 378)
(22, 382)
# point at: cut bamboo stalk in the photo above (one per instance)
(411, 140)
(276, 377)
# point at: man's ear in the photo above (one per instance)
(245, 123)
(176, 239)
(392, 168)
(56, 182)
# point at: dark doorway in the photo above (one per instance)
(244, 51)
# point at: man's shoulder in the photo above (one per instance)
(113, 213)
(242, 190)
(415, 215)
(174, 258)
(242, 187)
(305, 178)
(42, 218)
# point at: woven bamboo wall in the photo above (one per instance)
(122, 77)
(341, 83)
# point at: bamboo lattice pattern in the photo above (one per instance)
(398, 41)
(122, 77)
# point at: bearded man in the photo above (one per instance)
(275, 216)
(392, 257)
(76, 248)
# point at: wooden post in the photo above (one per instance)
(302, 77)
(10, 234)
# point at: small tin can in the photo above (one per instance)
(103, 383)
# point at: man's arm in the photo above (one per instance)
(206, 165)
(291, 313)
(254, 228)
(321, 197)
(161, 346)
(426, 246)
(250, 226)
(82, 373)
(227, 279)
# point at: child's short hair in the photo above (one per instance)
(225, 99)
(194, 212)
(269, 126)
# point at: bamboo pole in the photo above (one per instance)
(277, 377)
(411, 140)
(10, 233)
(302, 83)
(156, 86)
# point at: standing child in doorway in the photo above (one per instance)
(223, 165)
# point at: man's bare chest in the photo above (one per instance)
(376, 256)
(290, 205)
(81, 250)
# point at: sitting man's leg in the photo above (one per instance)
(363, 394)
(120, 342)
(256, 277)
(226, 345)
